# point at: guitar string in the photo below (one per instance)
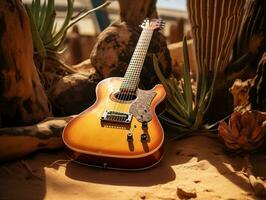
(122, 93)
(142, 48)
(145, 38)
(139, 63)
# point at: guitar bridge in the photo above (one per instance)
(118, 117)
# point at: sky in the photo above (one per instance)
(172, 4)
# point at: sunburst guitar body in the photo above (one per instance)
(121, 129)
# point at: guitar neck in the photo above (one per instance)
(131, 78)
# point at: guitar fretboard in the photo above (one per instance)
(131, 78)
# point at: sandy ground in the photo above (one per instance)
(197, 165)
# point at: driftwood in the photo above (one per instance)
(22, 97)
(19, 141)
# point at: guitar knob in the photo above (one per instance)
(145, 125)
(129, 137)
(144, 137)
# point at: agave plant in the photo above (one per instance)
(47, 37)
(186, 109)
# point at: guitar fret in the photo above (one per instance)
(132, 74)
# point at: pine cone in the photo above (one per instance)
(244, 131)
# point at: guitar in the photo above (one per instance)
(121, 129)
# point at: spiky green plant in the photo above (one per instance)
(185, 110)
(47, 37)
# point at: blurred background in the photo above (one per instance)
(173, 12)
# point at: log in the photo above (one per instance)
(19, 141)
(22, 97)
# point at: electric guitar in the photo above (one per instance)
(121, 129)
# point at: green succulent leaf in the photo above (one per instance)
(47, 38)
(37, 40)
(184, 112)
(187, 78)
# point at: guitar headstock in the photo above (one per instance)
(153, 24)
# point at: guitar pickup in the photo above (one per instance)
(118, 117)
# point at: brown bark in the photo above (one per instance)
(22, 97)
(134, 12)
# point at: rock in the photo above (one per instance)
(115, 46)
(22, 97)
(85, 67)
(186, 193)
(80, 89)
(197, 181)
(143, 197)
(208, 190)
(16, 142)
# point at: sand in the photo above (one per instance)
(196, 165)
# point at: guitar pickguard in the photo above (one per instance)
(141, 107)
